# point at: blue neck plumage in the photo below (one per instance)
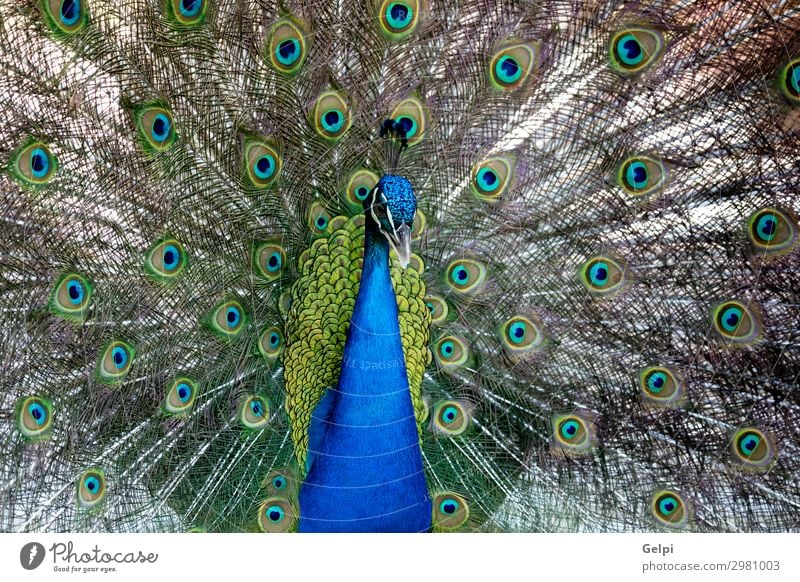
(366, 471)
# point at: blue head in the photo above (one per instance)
(390, 208)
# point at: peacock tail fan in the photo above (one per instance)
(598, 318)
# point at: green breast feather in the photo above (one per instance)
(323, 298)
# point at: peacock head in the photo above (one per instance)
(390, 208)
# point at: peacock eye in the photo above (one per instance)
(660, 385)
(33, 164)
(254, 412)
(271, 342)
(165, 260)
(332, 115)
(228, 319)
(511, 65)
(269, 260)
(411, 115)
(262, 162)
(451, 352)
(753, 448)
(438, 308)
(287, 47)
(65, 17)
(399, 19)
(669, 509)
(91, 488)
(735, 321)
(521, 334)
(34, 417)
(359, 186)
(642, 176)
(492, 177)
(181, 394)
(450, 511)
(155, 128)
(185, 13)
(465, 276)
(772, 230)
(318, 219)
(115, 361)
(572, 433)
(789, 81)
(632, 50)
(450, 418)
(70, 297)
(276, 515)
(603, 276)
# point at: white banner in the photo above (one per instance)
(487, 557)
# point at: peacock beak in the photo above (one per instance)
(400, 239)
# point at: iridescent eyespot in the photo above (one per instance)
(281, 482)
(398, 19)
(262, 162)
(331, 115)
(412, 116)
(270, 344)
(359, 186)
(438, 307)
(634, 49)
(254, 412)
(753, 448)
(521, 334)
(155, 127)
(32, 164)
(451, 352)
(465, 276)
(91, 488)
(660, 386)
(165, 260)
(286, 45)
(450, 511)
(642, 176)
(789, 81)
(669, 509)
(450, 418)
(772, 231)
(34, 417)
(276, 515)
(228, 319)
(603, 276)
(181, 394)
(269, 260)
(511, 64)
(115, 361)
(70, 297)
(491, 178)
(572, 433)
(285, 303)
(737, 321)
(318, 219)
(186, 13)
(65, 17)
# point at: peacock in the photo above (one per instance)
(399, 265)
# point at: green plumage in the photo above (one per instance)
(599, 320)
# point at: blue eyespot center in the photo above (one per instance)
(161, 127)
(731, 318)
(232, 316)
(448, 348)
(569, 429)
(92, 484)
(793, 78)
(399, 15)
(70, 11)
(75, 292)
(184, 392)
(636, 175)
(517, 332)
(767, 227)
(508, 69)
(171, 257)
(450, 414)
(460, 275)
(488, 180)
(288, 51)
(275, 513)
(630, 50)
(274, 262)
(40, 163)
(598, 273)
(38, 413)
(656, 381)
(748, 444)
(332, 120)
(667, 505)
(321, 222)
(448, 506)
(361, 192)
(408, 125)
(191, 7)
(120, 357)
(274, 339)
(265, 167)
(279, 483)
(257, 408)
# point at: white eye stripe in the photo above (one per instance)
(389, 216)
